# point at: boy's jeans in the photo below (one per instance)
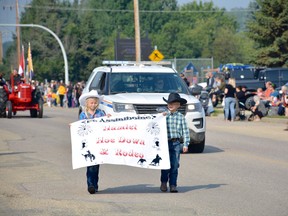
(92, 176)
(172, 173)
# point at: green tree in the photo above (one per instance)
(269, 29)
(192, 31)
(46, 52)
(88, 29)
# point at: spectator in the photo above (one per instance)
(244, 89)
(283, 102)
(41, 87)
(185, 79)
(258, 109)
(268, 90)
(54, 87)
(272, 95)
(260, 93)
(61, 92)
(49, 96)
(218, 88)
(274, 98)
(240, 95)
(77, 92)
(210, 81)
(69, 94)
(219, 84)
(230, 99)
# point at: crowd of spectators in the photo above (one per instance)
(266, 101)
(57, 93)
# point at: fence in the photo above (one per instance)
(196, 73)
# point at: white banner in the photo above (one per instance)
(133, 140)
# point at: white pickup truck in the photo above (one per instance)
(135, 88)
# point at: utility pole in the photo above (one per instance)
(17, 33)
(137, 32)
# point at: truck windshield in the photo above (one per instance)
(146, 83)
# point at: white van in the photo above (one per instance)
(135, 88)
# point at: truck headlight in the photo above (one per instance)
(196, 107)
(120, 107)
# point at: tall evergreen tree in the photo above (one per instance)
(269, 28)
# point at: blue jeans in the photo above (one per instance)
(92, 175)
(172, 173)
(230, 104)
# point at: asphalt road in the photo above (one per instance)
(243, 171)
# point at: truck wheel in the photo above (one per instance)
(249, 102)
(9, 109)
(3, 101)
(196, 148)
(40, 107)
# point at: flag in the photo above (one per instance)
(30, 64)
(21, 63)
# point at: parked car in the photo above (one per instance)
(248, 77)
(133, 88)
(256, 77)
(235, 66)
(278, 76)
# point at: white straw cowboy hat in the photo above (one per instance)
(91, 94)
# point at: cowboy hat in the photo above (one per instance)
(91, 94)
(175, 97)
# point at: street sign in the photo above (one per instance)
(156, 55)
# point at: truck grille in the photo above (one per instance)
(151, 109)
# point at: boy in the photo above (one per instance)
(176, 129)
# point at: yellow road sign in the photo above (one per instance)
(156, 55)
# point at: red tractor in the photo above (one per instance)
(20, 97)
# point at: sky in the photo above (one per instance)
(228, 4)
(8, 12)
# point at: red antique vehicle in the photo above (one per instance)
(23, 96)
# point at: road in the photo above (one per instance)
(243, 171)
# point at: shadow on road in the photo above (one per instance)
(212, 149)
(14, 153)
(146, 188)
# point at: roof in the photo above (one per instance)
(140, 68)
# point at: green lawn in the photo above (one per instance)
(219, 111)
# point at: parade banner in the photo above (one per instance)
(133, 140)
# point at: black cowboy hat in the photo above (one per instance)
(175, 97)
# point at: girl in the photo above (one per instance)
(230, 99)
(90, 101)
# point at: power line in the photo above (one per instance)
(126, 10)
